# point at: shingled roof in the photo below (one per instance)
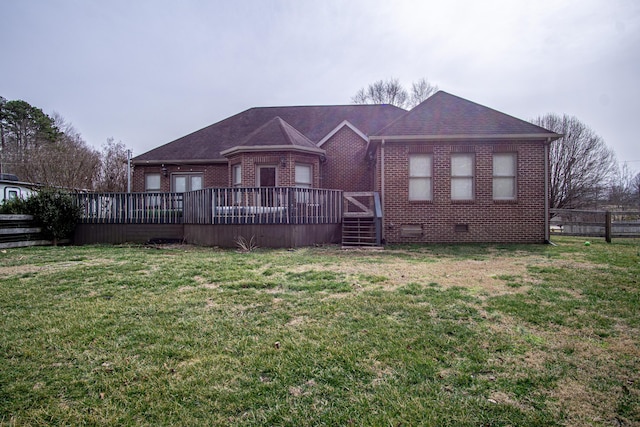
(276, 134)
(444, 116)
(313, 122)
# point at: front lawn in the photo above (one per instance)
(471, 335)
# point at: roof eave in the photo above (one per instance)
(177, 162)
(467, 137)
(269, 148)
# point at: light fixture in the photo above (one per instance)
(164, 170)
(283, 161)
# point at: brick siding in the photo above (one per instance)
(346, 167)
(484, 219)
(215, 175)
(284, 161)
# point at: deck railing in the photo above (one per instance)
(272, 205)
(130, 208)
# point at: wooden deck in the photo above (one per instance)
(274, 217)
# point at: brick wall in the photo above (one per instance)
(285, 166)
(346, 166)
(215, 175)
(481, 220)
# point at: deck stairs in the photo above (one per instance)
(361, 220)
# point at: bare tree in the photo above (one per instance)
(113, 170)
(420, 91)
(581, 163)
(392, 92)
(635, 190)
(382, 92)
(621, 192)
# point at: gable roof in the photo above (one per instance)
(446, 116)
(274, 135)
(314, 122)
(337, 129)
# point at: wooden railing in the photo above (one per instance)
(273, 205)
(130, 208)
(364, 208)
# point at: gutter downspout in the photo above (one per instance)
(382, 186)
(546, 191)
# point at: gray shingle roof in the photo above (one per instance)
(313, 122)
(444, 114)
(277, 132)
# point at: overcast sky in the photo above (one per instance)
(148, 72)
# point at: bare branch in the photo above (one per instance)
(581, 163)
(420, 91)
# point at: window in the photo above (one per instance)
(303, 176)
(236, 178)
(420, 177)
(186, 182)
(304, 179)
(462, 168)
(152, 182)
(504, 176)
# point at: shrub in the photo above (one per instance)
(15, 206)
(55, 212)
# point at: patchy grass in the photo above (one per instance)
(413, 335)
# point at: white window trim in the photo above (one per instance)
(187, 175)
(513, 177)
(428, 178)
(303, 184)
(460, 178)
(146, 182)
(235, 167)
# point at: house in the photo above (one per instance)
(449, 170)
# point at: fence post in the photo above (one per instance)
(607, 227)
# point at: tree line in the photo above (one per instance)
(48, 150)
(584, 170)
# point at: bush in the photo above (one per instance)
(52, 209)
(15, 206)
(55, 211)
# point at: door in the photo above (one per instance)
(266, 176)
(266, 180)
(187, 182)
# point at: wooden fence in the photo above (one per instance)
(588, 223)
(273, 205)
(18, 231)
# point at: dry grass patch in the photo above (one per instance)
(483, 277)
